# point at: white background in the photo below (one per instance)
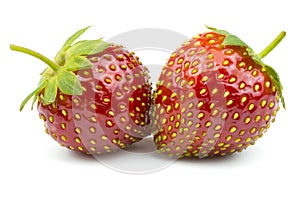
(33, 166)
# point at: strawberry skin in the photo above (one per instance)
(111, 108)
(214, 97)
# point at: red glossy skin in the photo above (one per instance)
(112, 112)
(212, 99)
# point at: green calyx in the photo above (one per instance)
(233, 40)
(60, 73)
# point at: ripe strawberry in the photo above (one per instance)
(94, 97)
(214, 97)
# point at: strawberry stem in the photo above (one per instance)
(35, 54)
(272, 45)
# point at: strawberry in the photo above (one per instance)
(214, 97)
(94, 97)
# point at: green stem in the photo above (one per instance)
(35, 54)
(272, 45)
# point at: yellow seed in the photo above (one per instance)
(225, 62)
(214, 91)
(200, 115)
(208, 124)
(228, 138)
(250, 107)
(174, 55)
(257, 118)
(244, 99)
(212, 41)
(242, 132)
(220, 76)
(103, 137)
(190, 123)
(108, 80)
(200, 104)
(93, 119)
(80, 148)
(51, 119)
(191, 94)
(256, 87)
(228, 52)
(267, 117)
(226, 94)
(177, 124)
(169, 108)
(248, 139)
(242, 85)
(195, 63)
(189, 114)
(109, 123)
(204, 78)
(267, 84)
(235, 115)
(254, 73)
(64, 112)
(77, 116)
(63, 138)
(194, 71)
(92, 148)
(93, 106)
(218, 127)
(237, 140)
(92, 141)
(203, 91)
(271, 104)
(211, 141)
(209, 36)
(170, 63)
(77, 130)
(224, 115)
(173, 135)
(92, 129)
(180, 60)
(232, 129)
(106, 100)
(253, 130)
(78, 140)
(186, 65)
(242, 64)
(232, 79)
(106, 147)
(176, 105)
(215, 112)
(247, 120)
(263, 103)
(63, 126)
(197, 44)
(229, 102)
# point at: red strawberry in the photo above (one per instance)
(214, 97)
(94, 97)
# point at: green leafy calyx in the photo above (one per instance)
(60, 73)
(233, 40)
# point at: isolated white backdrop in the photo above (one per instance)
(34, 166)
